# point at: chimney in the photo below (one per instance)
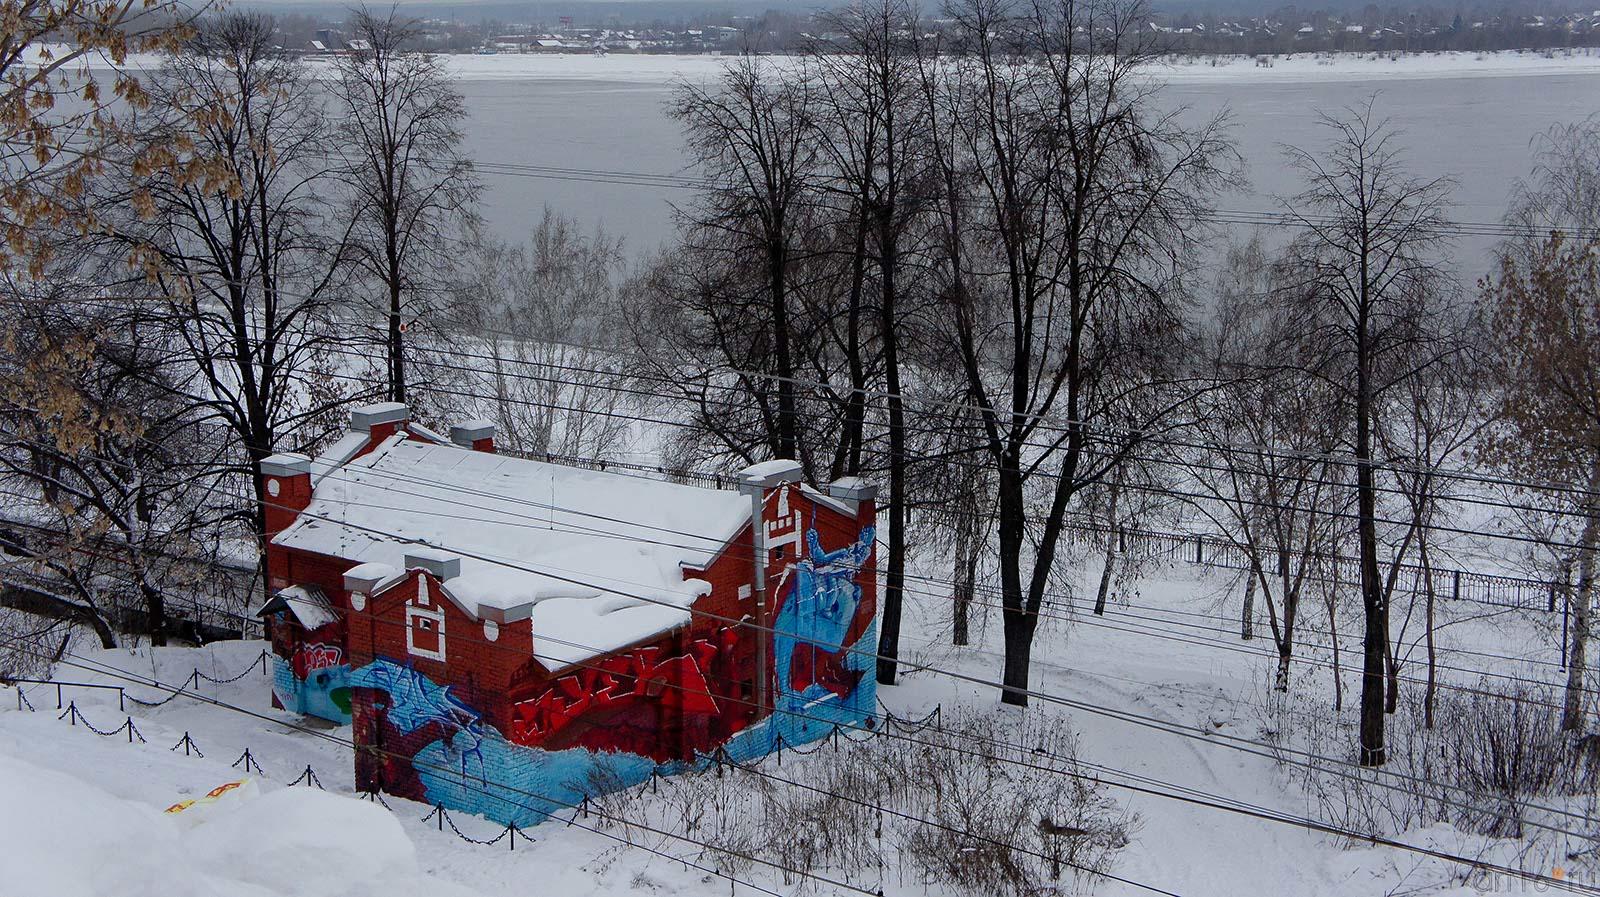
(287, 481)
(443, 565)
(756, 481)
(286, 488)
(477, 435)
(860, 493)
(379, 421)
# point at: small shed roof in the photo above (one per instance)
(308, 604)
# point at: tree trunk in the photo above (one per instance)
(1391, 678)
(1018, 631)
(1338, 681)
(788, 446)
(56, 607)
(397, 360)
(155, 609)
(1015, 620)
(1111, 554)
(1106, 572)
(966, 573)
(1431, 688)
(1247, 618)
(1375, 634)
(1577, 656)
(889, 634)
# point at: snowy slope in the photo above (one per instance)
(98, 799)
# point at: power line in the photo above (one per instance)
(872, 654)
(1057, 423)
(115, 672)
(1231, 806)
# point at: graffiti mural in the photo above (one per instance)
(821, 680)
(415, 708)
(437, 749)
(642, 678)
(314, 679)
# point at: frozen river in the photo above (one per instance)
(1468, 117)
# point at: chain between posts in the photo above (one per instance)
(309, 776)
(249, 763)
(74, 716)
(260, 659)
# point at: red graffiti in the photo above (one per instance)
(676, 682)
(308, 658)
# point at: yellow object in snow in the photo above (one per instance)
(211, 796)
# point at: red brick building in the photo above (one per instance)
(503, 633)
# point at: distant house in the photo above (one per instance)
(503, 633)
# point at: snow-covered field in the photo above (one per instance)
(82, 813)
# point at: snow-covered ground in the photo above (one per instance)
(83, 812)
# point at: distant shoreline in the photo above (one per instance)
(1297, 67)
(1330, 66)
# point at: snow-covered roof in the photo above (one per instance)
(338, 454)
(607, 547)
(309, 605)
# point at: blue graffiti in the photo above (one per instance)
(323, 693)
(528, 785)
(816, 719)
(819, 611)
(818, 615)
(415, 701)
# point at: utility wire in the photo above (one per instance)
(1272, 751)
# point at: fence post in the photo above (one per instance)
(58, 696)
(1199, 550)
(1455, 587)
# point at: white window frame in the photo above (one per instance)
(413, 614)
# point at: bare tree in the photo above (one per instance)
(233, 232)
(118, 509)
(545, 312)
(412, 189)
(1361, 275)
(753, 136)
(1264, 471)
(873, 137)
(1082, 202)
(1563, 192)
(1446, 410)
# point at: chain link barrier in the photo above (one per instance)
(74, 716)
(309, 777)
(260, 660)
